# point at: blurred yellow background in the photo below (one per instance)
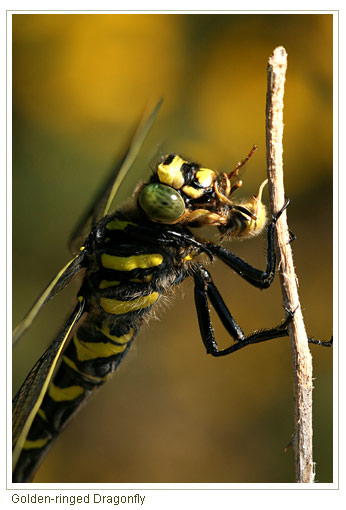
(80, 82)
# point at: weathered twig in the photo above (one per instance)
(277, 66)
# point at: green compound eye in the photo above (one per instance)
(161, 203)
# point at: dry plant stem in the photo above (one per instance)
(277, 66)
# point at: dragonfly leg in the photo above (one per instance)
(205, 289)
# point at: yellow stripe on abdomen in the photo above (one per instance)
(93, 350)
(145, 261)
(37, 443)
(116, 307)
(64, 394)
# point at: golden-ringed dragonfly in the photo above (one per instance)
(131, 258)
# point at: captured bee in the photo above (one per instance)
(131, 258)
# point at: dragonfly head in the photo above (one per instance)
(180, 192)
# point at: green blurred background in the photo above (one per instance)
(80, 82)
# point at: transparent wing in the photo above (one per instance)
(58, 283)
(103, 201)
(30, 396)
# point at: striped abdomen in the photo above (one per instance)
(92, 354)
(122, 283)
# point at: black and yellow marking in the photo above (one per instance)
(117, 307)
(94, 350)
(145, 261)
(192, 192)
(87, 377)
(170, 171)
(36, 443)
(65, 394)
(177, 173)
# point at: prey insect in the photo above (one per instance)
(131, 258)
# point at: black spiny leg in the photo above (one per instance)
(203, 285)
(204, 289)
(257, 278)
(323, 343)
